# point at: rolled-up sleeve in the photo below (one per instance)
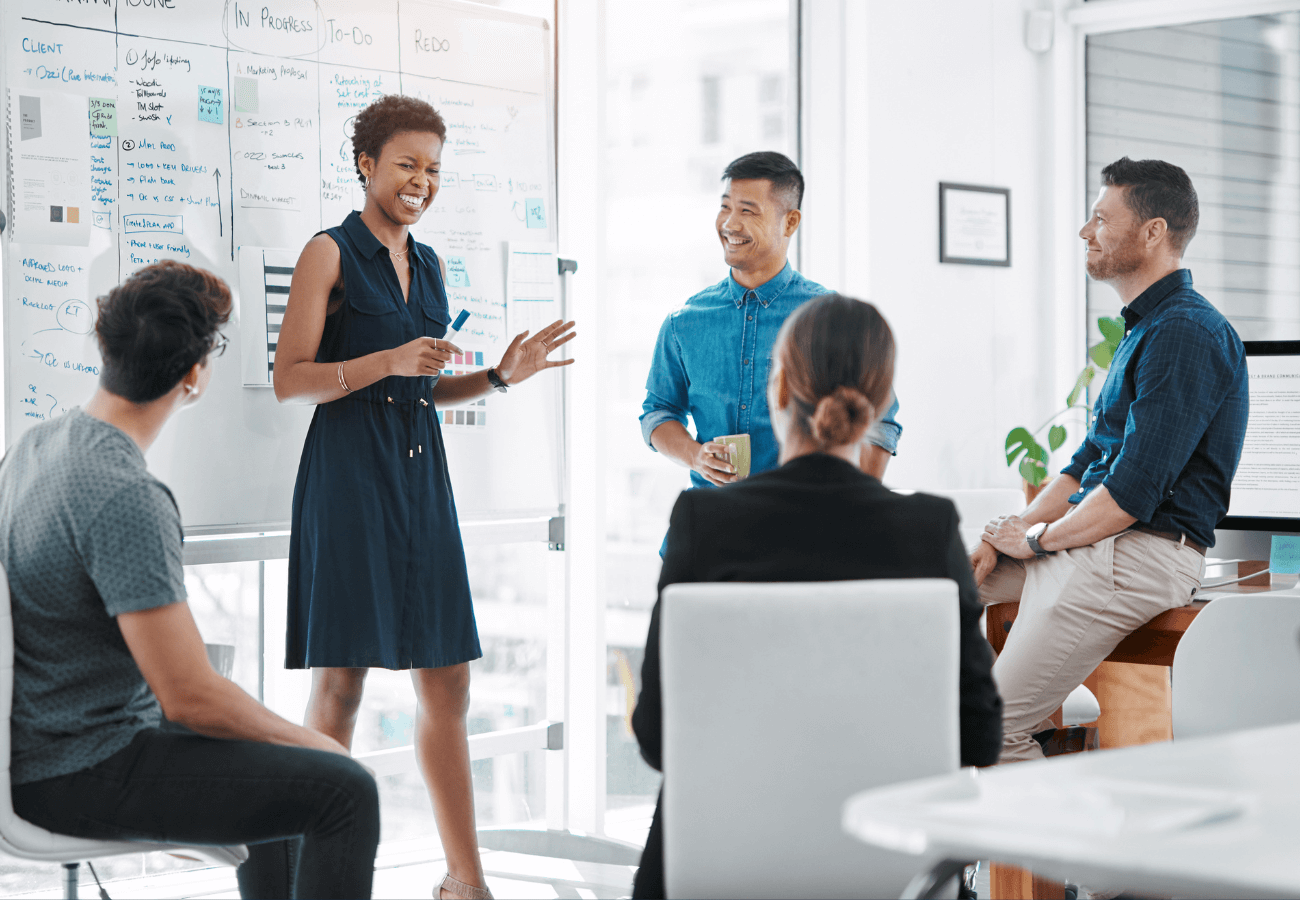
(666, 387)
(885, 433)
(1086, 455)
(1179, 382)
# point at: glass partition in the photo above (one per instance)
(690, 86)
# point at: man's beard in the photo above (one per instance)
(1123, 260)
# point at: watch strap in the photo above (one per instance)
(495, 380)
(1031, 539)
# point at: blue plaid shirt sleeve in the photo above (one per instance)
(1179, 382)
(1086, 455)
(666, 387)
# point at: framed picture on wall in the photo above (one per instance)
(974, 224)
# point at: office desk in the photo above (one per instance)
(1032, 815)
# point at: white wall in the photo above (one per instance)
(914, 94)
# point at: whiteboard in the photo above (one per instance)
(218, 126)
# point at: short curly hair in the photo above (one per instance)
(153, 327)
(389, 115)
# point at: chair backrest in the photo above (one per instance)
(978, 507)
(781, 701)
(1238, 666)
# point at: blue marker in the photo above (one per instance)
(460, 321)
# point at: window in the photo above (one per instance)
(710, 109)
(660, 199)
(1222, 100)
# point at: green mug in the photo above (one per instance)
(738, 449)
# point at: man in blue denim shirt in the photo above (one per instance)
(1120, 535)
(712, 356)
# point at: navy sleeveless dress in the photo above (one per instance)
(376, 566)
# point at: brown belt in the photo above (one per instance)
(1175, 536)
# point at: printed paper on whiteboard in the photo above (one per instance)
(264, 276)
(49, 134)
(532, 286)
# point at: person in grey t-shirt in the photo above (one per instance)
(105, 646)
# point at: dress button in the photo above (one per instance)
(746, 362)
(750, 318)
(742, 406)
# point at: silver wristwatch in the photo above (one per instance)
(1032, 536)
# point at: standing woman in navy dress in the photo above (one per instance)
(376, 567)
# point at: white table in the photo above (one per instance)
(1209, 817)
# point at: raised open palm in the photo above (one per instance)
(526, 356)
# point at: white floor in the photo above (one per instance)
(405, 869)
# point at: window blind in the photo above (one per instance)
(1221, 100)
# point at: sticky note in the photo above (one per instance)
(535, 213)
(1285, 556)
(457, 274)
(245, 90)
(478, 357)
(103, 116)
(29, 115)
(210, 105)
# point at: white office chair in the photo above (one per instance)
(27, 841)
(782, 700)
(1238, 666)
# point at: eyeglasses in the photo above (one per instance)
(219, 345)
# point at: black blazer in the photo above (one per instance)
(849, 526)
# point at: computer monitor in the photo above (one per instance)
(1266, 489)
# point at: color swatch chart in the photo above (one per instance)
(471, 415)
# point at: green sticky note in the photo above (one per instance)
(535, 215)
(457, 274)
(103, 116)
(1285, 556)
(210, 105)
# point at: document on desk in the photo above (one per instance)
(49, 135)
(1096, 808)
(1267, 483)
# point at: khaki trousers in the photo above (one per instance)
(1075, 607)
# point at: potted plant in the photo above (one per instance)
(1023, 445)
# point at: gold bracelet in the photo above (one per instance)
(342, 383)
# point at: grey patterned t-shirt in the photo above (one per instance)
(87, 534)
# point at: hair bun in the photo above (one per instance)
(841, 417)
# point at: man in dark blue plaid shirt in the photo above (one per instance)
(1120, 535)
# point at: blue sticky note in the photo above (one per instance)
(210, 105)
(1285, 556)
(535, 213)
(457, 274)
(478, 357)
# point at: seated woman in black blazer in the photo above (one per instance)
(832, 371)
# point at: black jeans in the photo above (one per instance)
(310, 818)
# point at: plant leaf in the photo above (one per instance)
(1085, 379)
(1111, 329)
(1101, 354)
(1033, 471)
(1056, 436)
(1019, 441)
